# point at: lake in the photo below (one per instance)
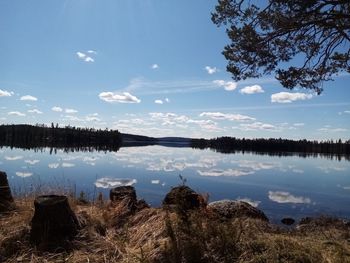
(280, 186)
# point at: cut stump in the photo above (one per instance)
(54, 223)
(6, 199)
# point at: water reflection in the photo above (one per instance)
(114, 182)
(286, 197)
(280, 186)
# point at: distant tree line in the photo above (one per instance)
(68, 138)
(281, 147)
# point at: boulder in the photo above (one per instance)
(234, 209)
(6, 199)
(54, 223)
(183, 197)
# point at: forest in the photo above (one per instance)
(280, 147)
(68, 138)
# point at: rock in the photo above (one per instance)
(183, 197)
(120, 193)
(234, 209)
(53, 222)
(288, 221)
(6, 199)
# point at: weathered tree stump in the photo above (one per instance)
(54, 223)
(6, 199)
(121, 193)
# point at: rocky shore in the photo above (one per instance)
(186, 228)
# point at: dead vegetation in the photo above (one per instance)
(160, 235)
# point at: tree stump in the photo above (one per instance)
(121, 193)
(6, 199)
(54, 223)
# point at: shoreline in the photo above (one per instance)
(128, 230)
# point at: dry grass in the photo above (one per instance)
(156, 235)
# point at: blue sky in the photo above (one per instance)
(147, 67)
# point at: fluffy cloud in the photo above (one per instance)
(155, 66)
(286, 197)
(28, 98)
(16, 113)
(167, 100)
(125, 97)
(288, 97)
(85, 57)
(211, 70)
(158, 101)
(4, 93)
(225, 116)
(35, 111)
(71, 111)
(257, 126)
(57, 109)
(252, 89)
(228, 85)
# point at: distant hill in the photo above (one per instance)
(139, 140)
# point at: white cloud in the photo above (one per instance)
(228, 85)
(158, 101)
(35, 111)
(299, 124)
(24, 174)
(57, 109)
(346, 111)
(226, 116)
(29, 98)
(71, 111)
(211, 70)
(80, 54)
(252, 89)
(4, 93)
(167, 100)
(155, 66)
(257, 126)
(16, 113)
(288, 97)
(125, 97)
(286, 197)
(89, 59)
(329, 129)
(85, 57)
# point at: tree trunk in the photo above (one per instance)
(6, 199)
(54, 223)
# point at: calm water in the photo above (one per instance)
(280, 186)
